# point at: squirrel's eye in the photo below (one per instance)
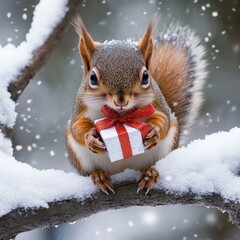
(93, 81)
(145, 79)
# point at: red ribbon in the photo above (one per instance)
(131, 117)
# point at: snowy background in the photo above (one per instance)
(46, 105)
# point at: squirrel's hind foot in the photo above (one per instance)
(103, 180)
(148, 179)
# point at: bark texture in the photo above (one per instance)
(21, 220)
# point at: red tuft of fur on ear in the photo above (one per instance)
(86, 43)
(146, 43)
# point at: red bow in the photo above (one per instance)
(131, 117)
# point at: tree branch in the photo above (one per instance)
(20, 220)
(40, 55)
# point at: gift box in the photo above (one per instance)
(124, 144)
(124, 135)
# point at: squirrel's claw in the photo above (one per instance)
(93, 142)
(148, 179)
(103, 180)
(152, 138)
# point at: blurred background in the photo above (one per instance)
(45, 107)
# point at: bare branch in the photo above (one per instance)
(20, 220)
(17, 86)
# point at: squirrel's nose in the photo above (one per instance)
(120, 99)
(121, 104)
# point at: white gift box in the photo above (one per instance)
(113, 145)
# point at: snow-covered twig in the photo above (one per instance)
(42, 50)
(26, 59)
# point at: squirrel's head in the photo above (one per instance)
(116, 72)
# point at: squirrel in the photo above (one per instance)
(167, 71)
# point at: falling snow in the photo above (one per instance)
(72, 62)
(18, 147)
(130, 224)
(52, 153)
(29, 148)
(149, 218)
(24, 16)
(37, 136)
(109, 230)
(29, 101)
(215, 14)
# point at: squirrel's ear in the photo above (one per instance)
(146, 43)
(86, 43)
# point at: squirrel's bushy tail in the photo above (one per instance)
(179, 67)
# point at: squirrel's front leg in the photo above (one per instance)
(93, 142)
(85, 133)
(160, 126)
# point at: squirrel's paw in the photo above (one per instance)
(152, 138)
(103, 180)
(94, 143)
(148, 179)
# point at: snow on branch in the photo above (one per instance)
(18, 64)
(205, 172)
